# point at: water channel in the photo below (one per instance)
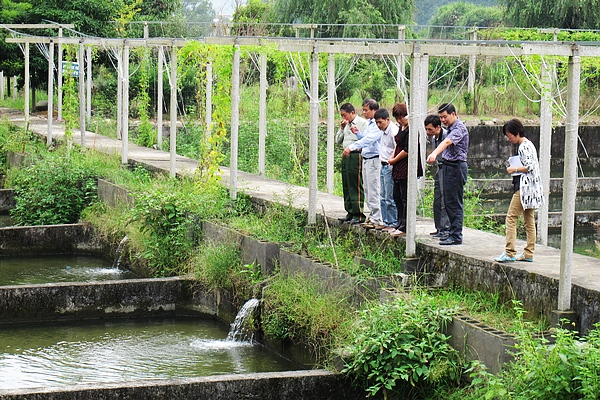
(54, 269)
(126, 350)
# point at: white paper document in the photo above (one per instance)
(515, 161)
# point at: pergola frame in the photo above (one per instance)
(419, 51)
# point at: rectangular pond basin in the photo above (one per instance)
(58, 268)
(122, 351)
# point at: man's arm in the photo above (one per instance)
(438, 150)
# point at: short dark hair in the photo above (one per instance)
(515, 127)
(382, 113)
(349, 108)
(372, 104)
(448, 107)
(399, 110)
(434, 120)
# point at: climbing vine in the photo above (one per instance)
(70, 96)
(146, 132)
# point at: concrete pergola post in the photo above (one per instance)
(330, 122)
(80, 61)
(545, 150)
(2, 88)
(120, 94)
(59, 78)
(418, 96)
(401, 60)
(50, 92)
(235, 120)
(209, 92)
(173, 116)
(569, 181)
(26, 87)
(313, 143)
(159, 97)
(262, 114)
(472, 66)
(125, 105)
(88, 83)
(14, 83)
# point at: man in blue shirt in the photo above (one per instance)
(454, 159)
(368, 141)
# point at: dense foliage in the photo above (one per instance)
(565, 14)
(398, 347)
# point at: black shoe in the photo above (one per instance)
(442, 236)
(345, 219)
(450, 241)
(354, 221)
(436, 233)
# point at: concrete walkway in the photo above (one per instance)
(480, 247)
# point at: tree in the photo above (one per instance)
(427, 8)
(340, 11)
(564, 14)
(467, 14)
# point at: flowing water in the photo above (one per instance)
(119, 252)
(237, 331)
(53, 269)
(122, 351)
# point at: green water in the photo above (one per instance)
(125, 351)
(53, 269)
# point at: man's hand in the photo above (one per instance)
(346, 152)
(432, 158)
(343, 123)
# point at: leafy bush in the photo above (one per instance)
(397, 347)
(568, 369)
(52, 190)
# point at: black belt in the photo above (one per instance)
(448, 162)
(370, 158)
(384, 163)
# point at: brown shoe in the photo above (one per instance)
(380, 227)
(396, 233)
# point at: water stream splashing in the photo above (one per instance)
(119, 252)
(237, 332)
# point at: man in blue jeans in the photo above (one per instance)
(389, 130)
(454, 158)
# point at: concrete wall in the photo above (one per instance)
(7, 200)
(489, 149)
(50, 239)
(305, 385)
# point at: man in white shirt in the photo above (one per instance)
(389, 130)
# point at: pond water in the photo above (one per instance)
(129, 350)
(5, 220)
(54, 269)
(584, 240)
(583, 202)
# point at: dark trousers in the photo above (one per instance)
(352, 185)
(440, 217)
(401, 199)
(454, 180)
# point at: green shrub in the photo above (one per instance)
(52, 190)
(397, 347)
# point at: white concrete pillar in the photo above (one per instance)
(88, 83)
(416, 113)
(50, 91)
(545, 148)
(2, 88)
(173, 116)
(401, 60)
(472, 66)
(125, 105)
(15, 81)
(330, 122)
(80, 61)
(235, 120)
(159, 97)
(569, 182)
(26, 88)
(120, 94)
(209, 91)
(262, 115)
(59, 78)
(313, 144)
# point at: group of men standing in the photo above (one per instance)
(375, 163)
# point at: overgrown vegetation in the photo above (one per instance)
(398, 348)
